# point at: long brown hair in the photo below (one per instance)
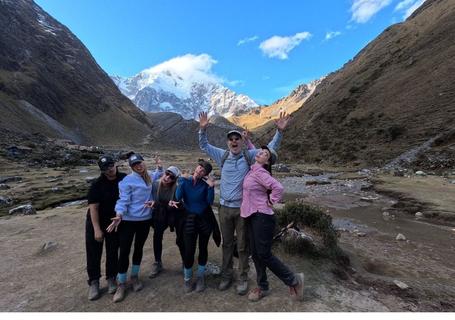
(145, 175)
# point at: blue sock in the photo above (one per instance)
(200, 270)
(121, 277)
(135, 270)
(187, 273)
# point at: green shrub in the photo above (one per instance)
(319, 223)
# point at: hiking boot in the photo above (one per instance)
(257, 294)
(296, 291)
(94, 290)
(200, 284)
(188, 286)
(120, 293)
(111, 285)
(157, 267)
(225, 284)
(136, 284)
(242, 287)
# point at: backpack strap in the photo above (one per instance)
(245, 155)
(225, 156)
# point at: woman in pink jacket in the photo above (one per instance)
(260, 192)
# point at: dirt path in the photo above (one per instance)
(55, 279)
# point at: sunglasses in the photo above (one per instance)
(170, 175)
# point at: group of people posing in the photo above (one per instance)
(122, 208)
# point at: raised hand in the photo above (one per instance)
(283, 121)
(157, 160)
(114, 224)
(203, 120)
(210, 181)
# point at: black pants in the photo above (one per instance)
(260, 228)
(94, 251)
(158, 233)
(129, 230)
(195, 227)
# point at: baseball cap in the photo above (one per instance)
(174, 170)
(135, 158)
(232, 132)
(273, 154)
(105, 161)
(206, 165)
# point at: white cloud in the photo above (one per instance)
(245, 40)
(279, 47)
(191, 68)
(408, 6)
(364, 10)
(332, 34)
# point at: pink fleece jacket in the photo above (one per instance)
(255, 186)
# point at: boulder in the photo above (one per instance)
(419, 215)
(420, 173)
(4, 186)
(26, 209)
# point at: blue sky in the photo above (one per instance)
(263, 49)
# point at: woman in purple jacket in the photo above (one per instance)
(260, 192)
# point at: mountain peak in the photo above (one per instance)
(159, 89)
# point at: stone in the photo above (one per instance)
(420, 173)
(419, 215)
(279, 167)
(4, 186)
(360, 234)
(400, 237)
(317, 182)
(401, 284)
(10, 179)
(26, 209)
(5, 201)
(369, 199)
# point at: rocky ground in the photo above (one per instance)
(400, 261)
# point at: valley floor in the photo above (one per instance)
(43, 260)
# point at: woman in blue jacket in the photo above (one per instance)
(132, 220)
(197, 193)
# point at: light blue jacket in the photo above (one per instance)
(234, 168)
(133, 194)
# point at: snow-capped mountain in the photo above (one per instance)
(161, 90)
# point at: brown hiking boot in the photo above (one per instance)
(225, 284)
(136, 284)
(296, 291)
(120, 293)
(111, 285)
(188, 286)
(257, 294)
(157, 267)
(242, 287)
(200, 284)
(94, 290)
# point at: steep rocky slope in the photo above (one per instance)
(50, 83)
(259, 116)
(394, 96)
